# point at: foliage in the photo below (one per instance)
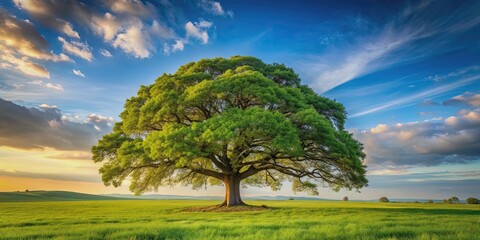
(430, 201)
(164, 219)
(237, 119)
(453, 200)
(471, 200)
(383, 199)
(345, 198)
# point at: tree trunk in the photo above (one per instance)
(232, 191)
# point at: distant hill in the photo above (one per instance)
(42, 196)
(180, 197)
(164, 196)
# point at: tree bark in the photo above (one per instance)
(232, 191)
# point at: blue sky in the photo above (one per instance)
(407, 72)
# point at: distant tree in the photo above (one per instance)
(383, 199)
(345, 198)
(231, 121)
(445, 201)
(453, 200)
(290, 198)
(26, 190)
(471, 200)
(430, 201)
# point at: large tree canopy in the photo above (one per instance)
(231, 121)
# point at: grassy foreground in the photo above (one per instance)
(165, 219)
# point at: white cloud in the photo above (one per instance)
(204, 24)
(79, 49)
(178, 46)
(134, 41)
(100, 123)
(380, 128)
(434, 142)
(468, 98)
(105, 53)
(198, 30)
(44, 105)
(130, 7)
(54, 86)
(106, 25)
(214, 8)
(134, 26)
(68, 30)
(78, 73)
(92, 117)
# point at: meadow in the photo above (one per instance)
(166, 219)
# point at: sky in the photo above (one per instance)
(408, 74)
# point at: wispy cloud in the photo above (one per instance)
(418, 96)
(214, 7)
(78, 73)
(76, 48)
(369, 53)
(105, 53)
(198, 30)
(53, 86)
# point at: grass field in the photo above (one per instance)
(165, 219)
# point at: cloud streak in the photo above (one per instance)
(418, 30)
(418, 96)
(214, 8)
(78, 73)
(53, 86)
(78, 49)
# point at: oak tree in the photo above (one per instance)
(234, 122)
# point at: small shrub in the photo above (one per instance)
(471, 200)
(290, 198)
(345, 198)
(430, 201)
(383, 199)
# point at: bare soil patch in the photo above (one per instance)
(218, 208)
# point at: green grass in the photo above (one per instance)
(41, 196)
(165, 219)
